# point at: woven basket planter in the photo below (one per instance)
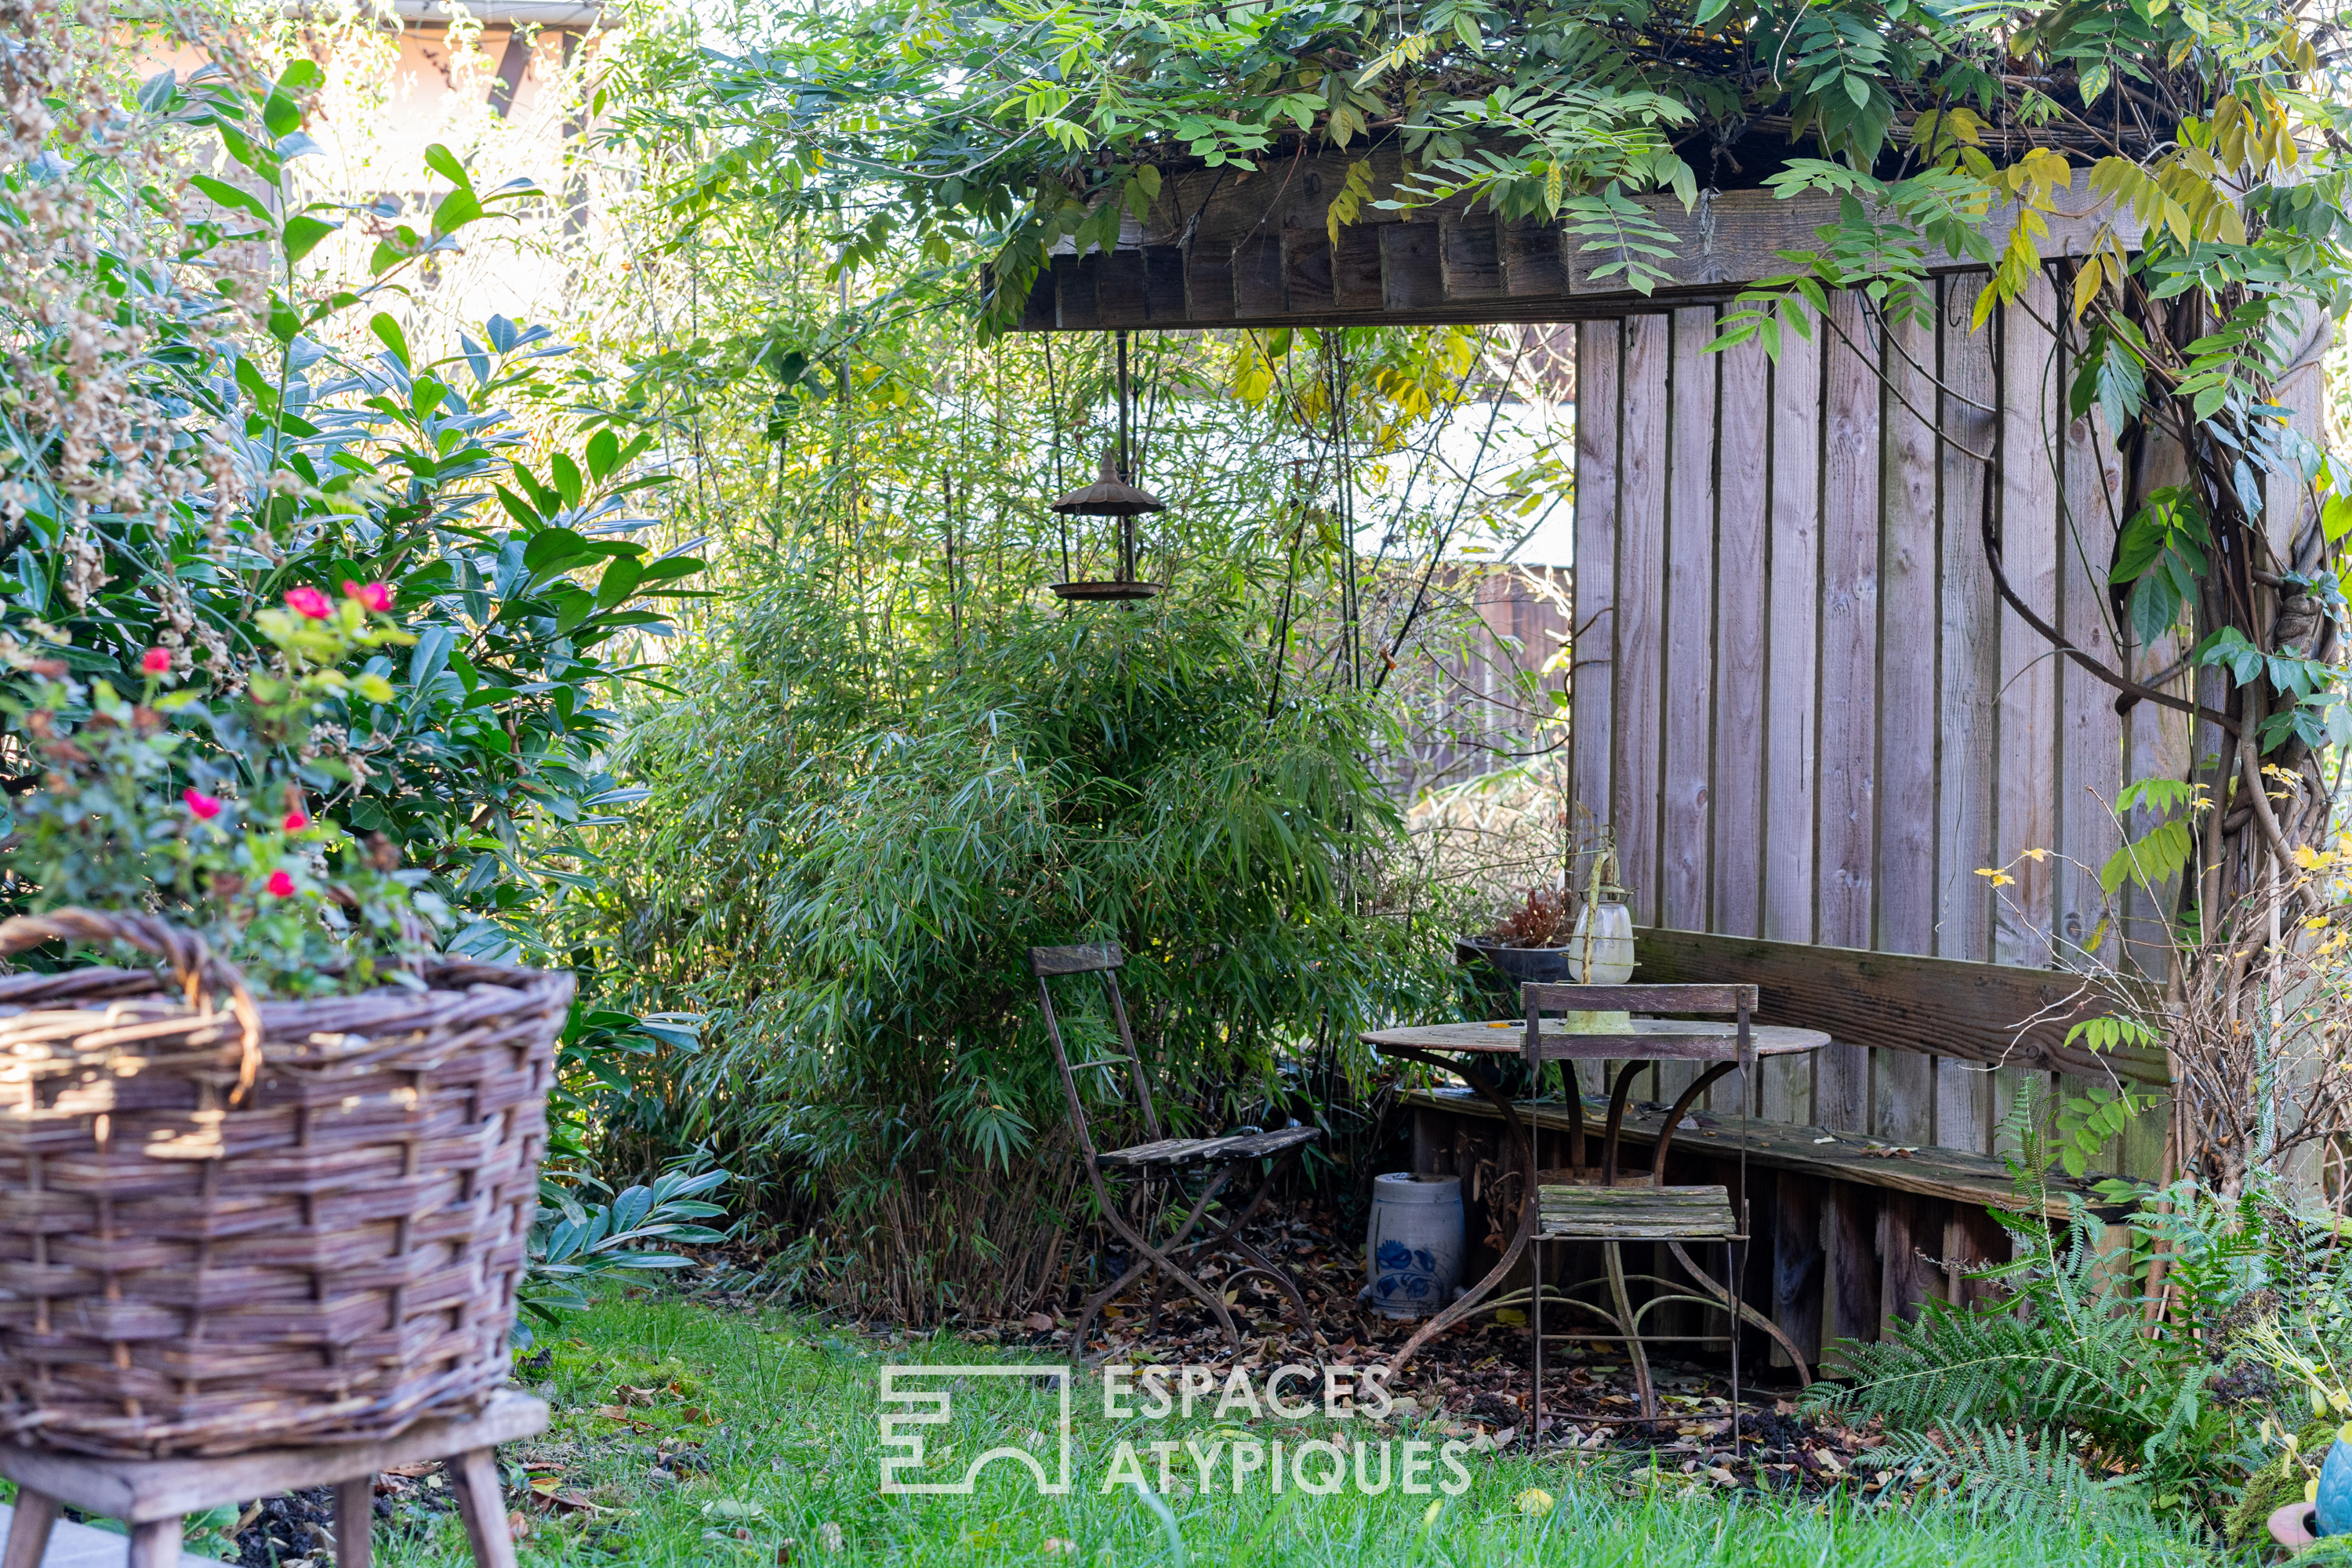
(225, 1226)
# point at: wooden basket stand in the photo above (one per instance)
(227, 1225)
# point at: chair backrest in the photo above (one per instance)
(1106, 959)
(1543, 997)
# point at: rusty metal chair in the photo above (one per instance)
(1162, 1162)
(1592, 1204)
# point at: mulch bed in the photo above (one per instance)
(1473, 1379)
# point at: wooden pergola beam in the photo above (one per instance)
(1229, 249)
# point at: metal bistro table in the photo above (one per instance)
(1468, 1049)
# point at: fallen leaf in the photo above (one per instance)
(829, 1536)
(1055, 1546)
(406, 1472)
(1037, 1323)
(1535, 1500)
(609, 1412)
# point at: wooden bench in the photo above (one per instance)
(1847, 1231)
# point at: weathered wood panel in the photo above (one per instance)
(1903, 1084)
(2025, 811)
(1792, 663)
(1909, 730)
(1686, 774)
(1987, 1012)
(1251, 247)
(1641, 459)
(1592, 669)
(1968, 684)
(1742, 555)
(1848, 654)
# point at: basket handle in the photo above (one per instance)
(202, 976)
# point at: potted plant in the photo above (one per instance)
(281, 1190)
(1528, 941)
(1535, 942)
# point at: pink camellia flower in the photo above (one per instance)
(156, 661)
(205, 807)
(376, 596)
(296, 822)
(309, 604)
(279, 886)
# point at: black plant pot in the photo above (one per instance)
(1517, 964)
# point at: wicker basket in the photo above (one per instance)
(225, 1226)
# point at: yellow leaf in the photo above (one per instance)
(1535, 1500)
(2086, 289)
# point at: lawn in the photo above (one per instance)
(685, 1434)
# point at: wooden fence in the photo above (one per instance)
(1798, 698)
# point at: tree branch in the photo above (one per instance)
(2055, 638)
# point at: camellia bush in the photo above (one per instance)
(208, 444)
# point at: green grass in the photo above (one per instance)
(783, 1409)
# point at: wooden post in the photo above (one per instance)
(29, 1530)
(1974, 1238)
(474, 1476)
(1798, 1264)
(355, 1522)
(1855, 1306)
(156, 1544)
(1907, 1226)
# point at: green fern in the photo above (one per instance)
(2014, 1472)
(2061, 1360)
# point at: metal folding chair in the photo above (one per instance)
(1163, 1160)
(1593, 1206)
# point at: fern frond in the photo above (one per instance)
(2062, 1352)
(2031, 1472)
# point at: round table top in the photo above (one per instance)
(1676, 1039)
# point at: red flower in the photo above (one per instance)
(296, 822)
(206, 807)
(156, 661)
(376, 596)
(279, 886)
(310, 603)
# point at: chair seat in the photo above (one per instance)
(1230, 1148)
(1634, 1214)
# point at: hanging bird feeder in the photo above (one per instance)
(1111, 495)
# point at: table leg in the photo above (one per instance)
(1523, 1152)
(1629, 1325)
(355, 1522)
(28, 1533)
(155, 1544)
(474, 1476)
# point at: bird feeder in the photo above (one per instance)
(1111, 495)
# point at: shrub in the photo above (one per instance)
(861, 881)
